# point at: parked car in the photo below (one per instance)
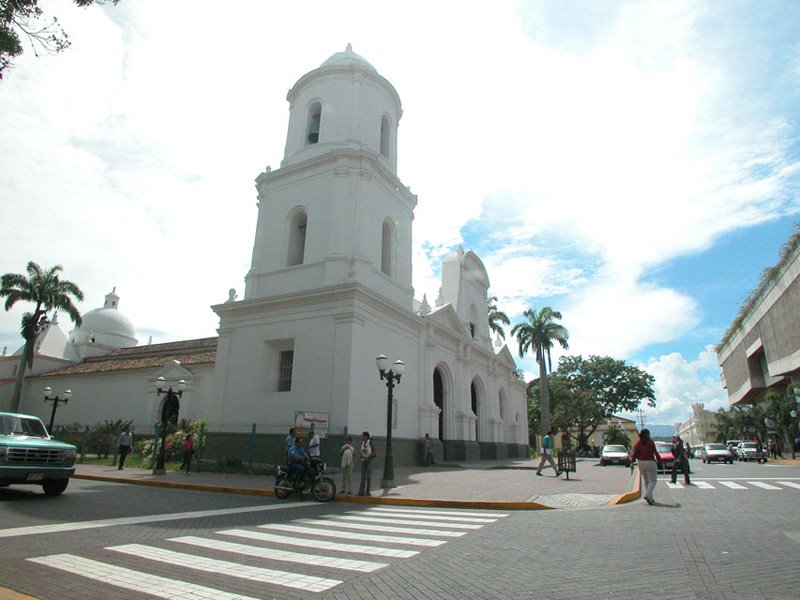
(716, 453)
(28, 455)
(665, 452)
(614, 455)
(751, 451)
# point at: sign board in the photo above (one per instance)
(305, 421)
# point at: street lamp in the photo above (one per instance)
(55, 400)
(169, 412)
(390, 375)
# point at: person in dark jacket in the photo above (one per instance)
(681, 460)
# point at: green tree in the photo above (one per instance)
(497, 318)
(539, 334)
(585, 393)
(779, 408)
(23, 20)
(45, 289)
(615, 435)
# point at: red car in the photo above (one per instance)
(665, 452)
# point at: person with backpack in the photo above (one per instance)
(367, 453)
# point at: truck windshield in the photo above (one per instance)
(16, 425)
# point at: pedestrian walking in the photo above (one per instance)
(681, 460)
(547, 454)
(124, 446)
(347, 466)
(313, 444)
(367, 454)
(649, 461)
(188, 453)
(427, 451)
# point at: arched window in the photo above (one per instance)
(297, 240)
(387, 248)
(314, 118)
(385, 134)
(473, 322)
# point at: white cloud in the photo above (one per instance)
(681, 383)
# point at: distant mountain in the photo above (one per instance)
(661, 431)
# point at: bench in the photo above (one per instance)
(566, 462)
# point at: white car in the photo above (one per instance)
(614, 455)
(716, 453)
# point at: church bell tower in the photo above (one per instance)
(335, 212)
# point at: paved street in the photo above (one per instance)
(105, 540)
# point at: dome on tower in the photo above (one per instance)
(103, 330)
(346, 59)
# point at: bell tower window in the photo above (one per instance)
(314, 118)
(297, 240)
(387, 248)
(385, 133)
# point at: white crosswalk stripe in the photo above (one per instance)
(224, 567)
(732, 485)
(266, 543)
(435, 516)
(382, 528)
(406, 521)
(320, 544)
(704, 485)
(763, 486)
(155, 585)
(790, 484)
(351, 535)
(282, 555)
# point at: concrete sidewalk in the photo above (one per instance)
(503, 484)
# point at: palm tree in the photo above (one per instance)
(539, 334)
(496, 317)
(48, 292)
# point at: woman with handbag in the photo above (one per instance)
(649, 461)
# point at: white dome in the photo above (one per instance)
(107, 321)
(347, 58)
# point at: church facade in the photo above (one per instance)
(329, 289)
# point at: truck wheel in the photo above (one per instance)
(54, 487)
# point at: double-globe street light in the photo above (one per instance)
(55, 400)
(391, 376)
(169, 413)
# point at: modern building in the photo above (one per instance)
(328, 290)
(761, 350)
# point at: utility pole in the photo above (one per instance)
(640, 418)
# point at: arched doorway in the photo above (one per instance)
(474, 393)
(438, 399)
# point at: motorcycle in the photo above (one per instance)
(321, 487)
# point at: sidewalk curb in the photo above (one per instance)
(470, 504)
(634, 494)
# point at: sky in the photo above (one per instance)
(633, 165)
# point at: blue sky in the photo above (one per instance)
(631, 164)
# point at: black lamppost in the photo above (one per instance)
(390, 375)
(55, 400)
(169, 412)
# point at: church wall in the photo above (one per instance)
(115, 395)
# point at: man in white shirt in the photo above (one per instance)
(313, 445)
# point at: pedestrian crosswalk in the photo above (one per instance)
(307, 554)
(725, 484)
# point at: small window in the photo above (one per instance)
(472, 330)
(297, 240)
(314, 118)
(285, 371)
(14, 371)
(387, 249)
(385, 136)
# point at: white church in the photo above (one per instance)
(329, 289)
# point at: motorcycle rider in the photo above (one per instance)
(297, 460)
